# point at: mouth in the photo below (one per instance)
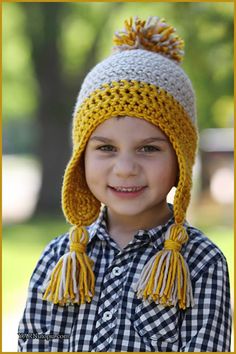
(127, 189)
(130, 191)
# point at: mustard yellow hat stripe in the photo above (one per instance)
(139, 100)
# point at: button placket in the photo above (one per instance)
(110, 302)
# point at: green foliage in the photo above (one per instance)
(79, 27)
(19, 83)
(71, 37)
(223, 111)
(208, 59)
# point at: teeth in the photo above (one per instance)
(131, 189)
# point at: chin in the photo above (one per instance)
(126, 211)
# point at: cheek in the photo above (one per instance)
(94, 169)
(88, 166)
(165, 171)
(90, 175)
(95, 177)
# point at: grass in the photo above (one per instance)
(223, 237)
(24, 243)
(22, 247)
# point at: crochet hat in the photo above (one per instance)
(141, 79)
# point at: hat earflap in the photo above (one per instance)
(72, 279)
(165, 278)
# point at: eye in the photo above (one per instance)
(106, 148)
(149, 148)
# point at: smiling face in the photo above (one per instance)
(130, 166)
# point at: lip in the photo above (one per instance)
(127, 195)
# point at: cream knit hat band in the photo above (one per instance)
(141, 66)
(149, 84)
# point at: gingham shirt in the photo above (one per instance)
(115, 320)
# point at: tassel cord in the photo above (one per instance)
(83, 272)
(68, 280)
(144, 276)
(92, 277)
(64, 268)
(54, 297)
(166, 275)
(149, 288)
(160, 260)
(171, 275)
(73, 286)
(150, 284)
(52, 279)
(160, 272)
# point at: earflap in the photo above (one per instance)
(79, 205)
(72, 280)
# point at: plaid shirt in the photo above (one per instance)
(115, 320)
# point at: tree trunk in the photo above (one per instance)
(53, 110)
(57, 97)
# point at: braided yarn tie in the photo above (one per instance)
(72, 280)
(165, 278)
(76, 247)
(172, 245)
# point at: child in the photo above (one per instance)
(132, 274)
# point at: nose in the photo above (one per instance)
(125, 166)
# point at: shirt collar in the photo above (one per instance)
(156, 235)
(99, 227)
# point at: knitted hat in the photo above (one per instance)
(141, 79)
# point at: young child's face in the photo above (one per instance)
(130, 166)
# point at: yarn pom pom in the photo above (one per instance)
(154, 35)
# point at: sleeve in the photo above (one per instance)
(207, 326)
(39, 316)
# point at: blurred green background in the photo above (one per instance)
(47, 50)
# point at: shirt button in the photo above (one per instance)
(116, 271)
(107, 316)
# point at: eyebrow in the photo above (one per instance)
(145, 141)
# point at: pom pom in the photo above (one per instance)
(165, 278)
(154, 35)
(72, 280)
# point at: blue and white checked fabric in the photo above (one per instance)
(115, 320)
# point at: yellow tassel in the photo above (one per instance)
(72, 280)
(165, 278)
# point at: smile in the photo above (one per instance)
(127, 189)
(127, 192)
